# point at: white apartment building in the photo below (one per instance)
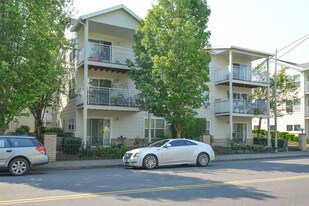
(101, 100)
(294, 116)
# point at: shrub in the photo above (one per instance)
(23, 129)
(295, 138)
(290, 137)
(71, 145)
(282, 135)
(263, 132)
(103, 152)
(57, 130)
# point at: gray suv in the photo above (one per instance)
(20, 153)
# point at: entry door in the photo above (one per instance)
(240, 130)
(98, 132)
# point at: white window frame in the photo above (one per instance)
(208, 124)
(153, 128)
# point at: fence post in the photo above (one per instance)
(50, 143)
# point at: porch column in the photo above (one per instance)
(85, 101)
(231, 92)
(268, 104)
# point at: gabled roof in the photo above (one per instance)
(104, 11)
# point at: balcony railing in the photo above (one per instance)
(241, 106)
(250, 75)
(109, 97)
(106, 53)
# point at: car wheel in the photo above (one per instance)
(150, 162)
(18, 166)
(202, 160)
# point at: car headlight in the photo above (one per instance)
(136, 154)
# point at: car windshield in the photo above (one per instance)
(159, 143)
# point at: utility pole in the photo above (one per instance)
(275, 97)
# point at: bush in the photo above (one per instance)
(23, 129)
(290, 137)
(103, 152)
(57, 130)
(263, 142)
(295, 138)
(263, 132)
(282, 135)
(72, 145)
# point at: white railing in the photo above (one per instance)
(241, 106)
(221, 74)
(109, 96)
(106, 53)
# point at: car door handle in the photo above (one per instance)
(9, 150)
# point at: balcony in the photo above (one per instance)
(105, 54)
(241, 107)
(241, 77)
(103, 96)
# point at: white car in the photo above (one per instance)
(170, 152)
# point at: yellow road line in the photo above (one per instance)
(155, 189)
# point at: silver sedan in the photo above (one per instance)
(170, 152)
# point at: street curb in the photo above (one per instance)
(84, 164)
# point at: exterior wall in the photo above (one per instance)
(119, 18)
(295, 118)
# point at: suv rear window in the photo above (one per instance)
(23, 142)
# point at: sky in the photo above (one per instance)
(263, 25)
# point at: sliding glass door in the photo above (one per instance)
(98, 132)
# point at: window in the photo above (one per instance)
(157, 128)
(296, 106)
(289, 127)
(177, 143)
(100, 83)
(289, 106)
(63, 124)
(4, 143)
(72, 85)
(256, 127)
(189, 143)
(241, 72)
(207, 127)
(296, 127)
(71, 124)
(272, 127)
(296, 79)
(21, 142)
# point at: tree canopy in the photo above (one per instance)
(171, 68)
(31, 41)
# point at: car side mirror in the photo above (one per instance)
(168, 145)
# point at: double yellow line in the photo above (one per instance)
(155, 189)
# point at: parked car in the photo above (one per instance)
(18, 154)
(170, 152)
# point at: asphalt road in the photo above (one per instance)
(259, 182)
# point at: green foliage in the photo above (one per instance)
(263, 132)
(263, 141)
(72, 145)
(103, 152)
(290, 137)
(171, 60)
(23, 129)
(57, 130)
(282, 135)
(31, 42)
(194, 130)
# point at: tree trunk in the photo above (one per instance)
(178, 130)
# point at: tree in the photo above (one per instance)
(286, 91)
(171, 59)
(31, 37)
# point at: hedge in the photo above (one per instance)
(263, 141)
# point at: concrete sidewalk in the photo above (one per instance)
(83, 164)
